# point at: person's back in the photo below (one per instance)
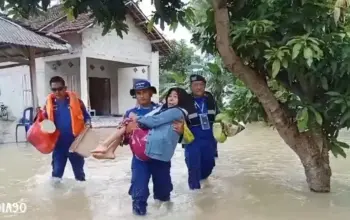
(162, 139)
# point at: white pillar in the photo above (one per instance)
(153, 73)
(33, 79)
(84, 81)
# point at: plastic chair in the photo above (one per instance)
(92, 112)
(25, 121)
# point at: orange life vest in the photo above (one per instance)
(76, 113)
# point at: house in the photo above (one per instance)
(100, 69)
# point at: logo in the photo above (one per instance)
(13, 208)
(140, 84)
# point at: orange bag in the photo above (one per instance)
(43, 142)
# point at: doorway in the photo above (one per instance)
(100, 95)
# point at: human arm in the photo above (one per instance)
(42, 111)
(125, 140)
(167, 116)
(87, 117)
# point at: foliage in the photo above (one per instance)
(302, 44)
(219, 81)
(180, 58)
(177, 66)
(182, 62)
(110, 14)
(243, 105)
(298, 46)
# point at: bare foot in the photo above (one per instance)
(104, 156)
(100, 149)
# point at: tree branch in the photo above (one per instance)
(251, 79)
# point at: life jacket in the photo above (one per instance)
(76, 113)
(212, 111)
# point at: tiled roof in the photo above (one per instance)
(39, 21)
(55, 21)
(15, 34)
(81, 22)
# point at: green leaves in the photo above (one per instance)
(337, 148)
(276, 66)
(318, 116)
(308, 55)
(150, 25)
(278, 57)
(303, 119)
(214, 68)
(289, 53)
(110, 14)
(310, 47)
(333, 93)
(296, 50)
(324, 83)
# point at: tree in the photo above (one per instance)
(219, 81)
(183, 61)
(295, 42)
(110, 14)
(180, 59)
(176, 68)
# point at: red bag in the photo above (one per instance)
(137, 142)
(43, 142)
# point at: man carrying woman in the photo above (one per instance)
(161, 121)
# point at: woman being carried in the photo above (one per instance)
(151, 136)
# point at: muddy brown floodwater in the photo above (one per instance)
(256, 178)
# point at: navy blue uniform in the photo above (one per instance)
(61, 152)
(142, 172)
(200, 154)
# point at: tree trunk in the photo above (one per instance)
(313, 154)
(315, 159)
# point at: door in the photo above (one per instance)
(100, 95)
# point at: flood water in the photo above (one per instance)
(256, 178)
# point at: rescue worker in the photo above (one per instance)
(70, 116)
(141, 171)
(200, 154)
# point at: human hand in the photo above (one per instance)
(37, 110)
(179, 126)
(131, 126)
(132, 116)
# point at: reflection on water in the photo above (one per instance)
(256, 177)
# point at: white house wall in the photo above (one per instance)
(154, 73)
(68, 70)
(111, 72)
(15, 89)
(11, 92)
(133, 48)
(71, 74)
(126, 76)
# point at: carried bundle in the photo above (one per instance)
(224, 127)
